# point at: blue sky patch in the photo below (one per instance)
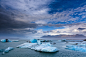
(48, 28)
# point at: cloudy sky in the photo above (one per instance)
(35, 18)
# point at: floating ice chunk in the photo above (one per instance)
(42, 46)
(79, 47)
(7, 50)
(33, 40)
(15, 40)
(34, 47)
(39, 42)
(49, 49)
(39, 48)
(5, 40)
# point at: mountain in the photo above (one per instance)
(64, 36)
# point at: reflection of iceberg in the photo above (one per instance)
(79, 47)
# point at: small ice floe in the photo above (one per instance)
(5, 40)
(79, 47)
(8, 40)
(49, 49)
(15, 40)
(7, 50)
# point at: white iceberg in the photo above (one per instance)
(39, 42)
(15, 40)
(45, 47)
(34, 47)
(42, 46)
(49, 49)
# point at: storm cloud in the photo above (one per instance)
(25, 17)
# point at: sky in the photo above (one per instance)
(36, 18)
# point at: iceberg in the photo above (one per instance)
(5, 40)
(42, 46)
(49, 49)
(33, 40)
(79, 47)
(15, 40)
(39, 42)
(7, 50)
(34, 47)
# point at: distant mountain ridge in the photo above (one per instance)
(63, 36)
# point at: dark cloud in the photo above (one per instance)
(81, 28)
(21, 17)
(8, 24)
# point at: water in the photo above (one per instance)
(18, 52)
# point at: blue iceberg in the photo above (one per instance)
(7, 50)
(79, 47)
(5, 40)
(33, 40)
